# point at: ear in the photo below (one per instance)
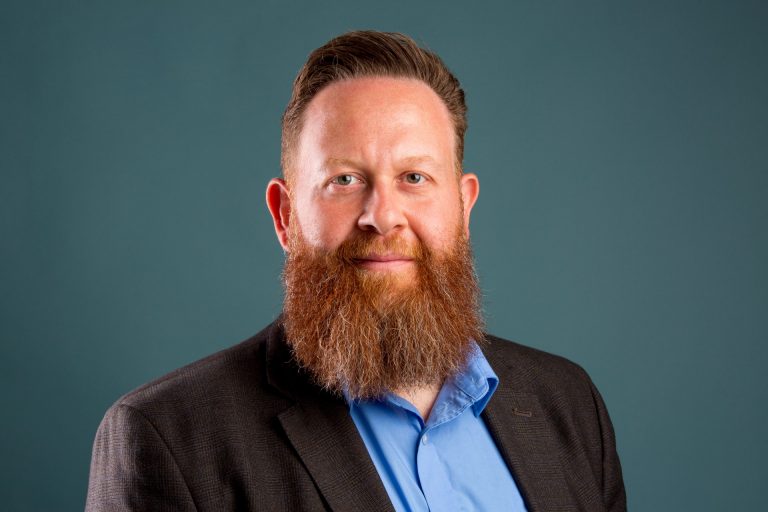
(469, 187)
(279, 204)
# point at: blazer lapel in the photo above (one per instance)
(326, 439)
(527, 443)
(324, 436)
(526, 436)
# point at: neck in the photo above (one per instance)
(422, 397)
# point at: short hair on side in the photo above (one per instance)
(368, 53)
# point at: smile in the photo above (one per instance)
(384, 262)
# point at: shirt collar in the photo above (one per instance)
(478, 380)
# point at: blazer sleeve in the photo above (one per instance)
(614, 495)
(132, 467)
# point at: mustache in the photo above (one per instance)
(367, 245)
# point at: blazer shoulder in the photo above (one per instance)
(221, 377)
(531, 368)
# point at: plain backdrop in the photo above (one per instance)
(622, 222)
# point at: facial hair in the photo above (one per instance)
(367, 333)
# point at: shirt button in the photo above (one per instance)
(424, 439)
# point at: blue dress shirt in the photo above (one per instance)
(449, 463)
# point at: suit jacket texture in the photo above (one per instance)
(246, 429)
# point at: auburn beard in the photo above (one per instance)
(367, 333)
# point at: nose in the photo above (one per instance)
(383, 211)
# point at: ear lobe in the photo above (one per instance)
(279, 204)
(469, 187)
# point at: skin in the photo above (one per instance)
(376, 154)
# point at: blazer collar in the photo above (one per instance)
(325, 438)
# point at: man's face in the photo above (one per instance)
(376, 156)
(380, 290)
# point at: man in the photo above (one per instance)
(377, 388)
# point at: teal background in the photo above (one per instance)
(622, 220)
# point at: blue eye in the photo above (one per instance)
(344, 179)
(414, 178)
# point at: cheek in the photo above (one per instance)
(438, 224)
(326, 226)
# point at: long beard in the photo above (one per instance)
(370, 333)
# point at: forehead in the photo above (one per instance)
(376, 92)
(373, 117)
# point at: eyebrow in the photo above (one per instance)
(339, 162)
(417, 160)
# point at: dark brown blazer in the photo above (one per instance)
(245, 429)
